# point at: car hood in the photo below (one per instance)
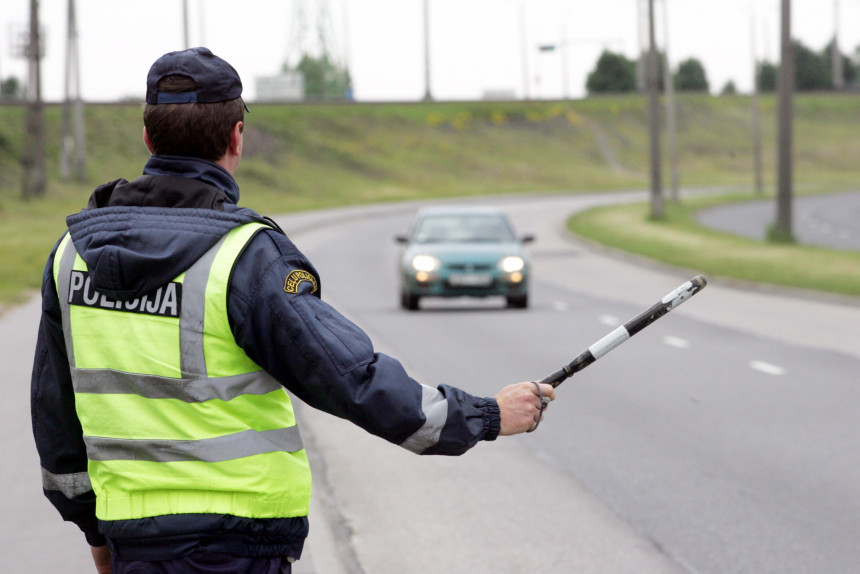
(466, 252)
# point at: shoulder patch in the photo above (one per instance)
(296, 278)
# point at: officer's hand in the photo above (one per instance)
(519, 405)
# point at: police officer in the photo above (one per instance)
(173, 322)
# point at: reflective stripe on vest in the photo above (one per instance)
(176, 417)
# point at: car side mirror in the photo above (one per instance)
(401, 239)
(527, 239)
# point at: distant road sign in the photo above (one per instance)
(287, 87)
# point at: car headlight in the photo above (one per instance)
(425, 263)
(512, 263)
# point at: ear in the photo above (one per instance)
(148, 142)
(237, 139)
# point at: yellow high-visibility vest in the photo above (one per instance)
(176, 417)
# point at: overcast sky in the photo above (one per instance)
(475, 45)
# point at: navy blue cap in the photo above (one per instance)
(217, 81)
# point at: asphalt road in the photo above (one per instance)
(725, 435)
(724, 438)
(831, 221)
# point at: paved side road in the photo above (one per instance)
(828, 220)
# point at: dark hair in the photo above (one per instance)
(191, 130)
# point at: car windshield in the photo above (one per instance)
(463, 228)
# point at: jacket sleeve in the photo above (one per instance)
(58, 434)
(329, 362)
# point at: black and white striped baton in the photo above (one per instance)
(627, 330)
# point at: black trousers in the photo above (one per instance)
(204, 563)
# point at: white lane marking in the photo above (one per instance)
(767, 368)
(609, 320)
(676, 342)
(560, 306)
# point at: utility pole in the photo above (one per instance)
(74, 139)
(33, 160)
(654, 119)
(782, 229)
(756, 112)
(671, 113)
(836, 53)
(201, 22)
(565, 79)
(185, 39)
(524, 53)
(642, 60)
(1, 71)
(427, 95)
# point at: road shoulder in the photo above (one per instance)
(475, 513)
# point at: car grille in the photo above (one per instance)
(469, 267)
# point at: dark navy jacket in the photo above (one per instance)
(135, 237)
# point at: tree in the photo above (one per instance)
(691, 76)
(324, 79)
(613, 73)
(812, 71)
(729, 89)
(767, 75)
(11, 89)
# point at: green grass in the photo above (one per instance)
(304, 157)
(679, 240)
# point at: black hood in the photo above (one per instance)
(136, 236)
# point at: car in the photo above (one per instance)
(456, 251)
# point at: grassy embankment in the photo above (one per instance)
(825, 150)
(681, 241)
(306, 157)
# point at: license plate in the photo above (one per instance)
(470, 280)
